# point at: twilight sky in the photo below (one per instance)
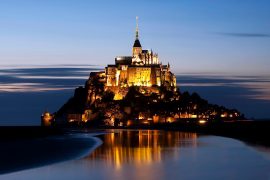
(210, 36)
(218, 48)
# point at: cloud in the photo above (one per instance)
(258, 86)
(41, 78)
(50, 77)
(198, 84)
(246, 35)
(29, 87)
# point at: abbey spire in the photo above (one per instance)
(137, 48)
(137, 28)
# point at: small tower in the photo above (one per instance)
(47, 119)
(137, 48)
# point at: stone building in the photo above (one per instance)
(142, 68)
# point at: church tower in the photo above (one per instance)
(137, 48)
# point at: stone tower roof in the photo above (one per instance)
(137, 43)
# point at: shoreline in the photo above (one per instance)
(24, 148)
(254, 133)
(26, 151)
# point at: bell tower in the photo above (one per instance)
(137, 48)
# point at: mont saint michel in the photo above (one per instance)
(137, 90)
(141, 69)
(89, 90)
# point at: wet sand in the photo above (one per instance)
(29, 147)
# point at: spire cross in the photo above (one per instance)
(137, 28)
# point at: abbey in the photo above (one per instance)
(143, 68)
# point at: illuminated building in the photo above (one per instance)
(142, 69)
(47, 119)
(137, 90)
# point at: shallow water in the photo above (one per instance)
(153, 154)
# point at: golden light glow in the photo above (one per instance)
(118, 96)
(46, 119)
(141, 116)
(140, 147)
(84, 118)
(193, 116)
(155, 118)
(223, 115)
(202, 121)
(170, 119)
(129, 122)
(145, 122)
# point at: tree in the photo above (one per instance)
(107, 96)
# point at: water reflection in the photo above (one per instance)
(141, 147)
(158, 155)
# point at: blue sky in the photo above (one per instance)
(216, 36)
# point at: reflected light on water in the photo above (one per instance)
(141, 147)
(158, 155)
